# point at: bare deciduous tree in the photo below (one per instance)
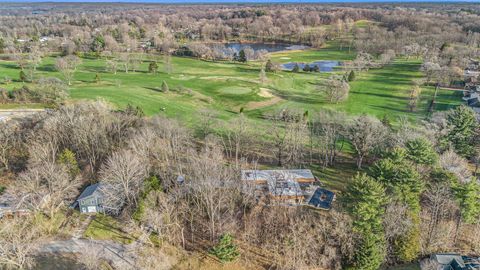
(121, 178)
(18, 242)
(335, 88)
(365, 134)
(328, 129)
(46, 187)
(8, 140)
(67, 66)
(213, 189)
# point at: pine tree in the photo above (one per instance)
(153, 67)
(67, 158)
(97, 78)
(296, 68)
(269, 66)
(402, 182)
(400, 177)
(351, 76)
(306, 68)
(421, 151)
(463, 125)
(468, 197)
(165, 86)
(23, 76)
(365, 201)
(242, 57)
(225, 250)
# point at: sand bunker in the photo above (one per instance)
(265, 92)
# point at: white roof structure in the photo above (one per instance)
(266, 175)
(279, 182)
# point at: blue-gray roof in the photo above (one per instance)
(89, 191)
(322, 198)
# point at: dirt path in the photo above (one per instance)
(80, 231)
(120, 256)
(6, 115)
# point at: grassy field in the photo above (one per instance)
(226, 87)
(105, 227)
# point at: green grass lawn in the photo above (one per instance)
(227, 87)
(104, 227)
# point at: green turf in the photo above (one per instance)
(104, 227)
(226, 87)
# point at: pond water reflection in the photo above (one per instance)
(324, 66)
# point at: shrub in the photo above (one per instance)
(225, 250)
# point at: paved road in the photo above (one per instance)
(6, 115)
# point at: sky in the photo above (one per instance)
(242, 1)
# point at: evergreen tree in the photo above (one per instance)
(365, 200)
(306, 68)
(242, 57)
(468, 197)
(23, 76)
(2, 45)
(269, 66)
(402, 181)
(370, 253)
(165, 86)
(315, 68)
(97, 78)
(296, 68)
(67, 158)
(463, 125)
(351, 76)
(421, 151)
(400, 177)
(225, 250)
(153, 67)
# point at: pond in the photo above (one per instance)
(270, 47)
(324, 66)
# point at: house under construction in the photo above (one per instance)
(293, 187)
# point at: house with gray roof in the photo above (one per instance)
(91, 200)
(291, 187)
(452, 261)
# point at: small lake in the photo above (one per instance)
(270, 47)
(324, 66)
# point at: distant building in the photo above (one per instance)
(8, 207)
(91, 200)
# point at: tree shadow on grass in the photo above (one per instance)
(380, 95)
(47, 68)
(9, 66)
(113, 230)
(154, 89)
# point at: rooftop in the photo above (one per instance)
(89, 191)
(322, 198)
(266, 175)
